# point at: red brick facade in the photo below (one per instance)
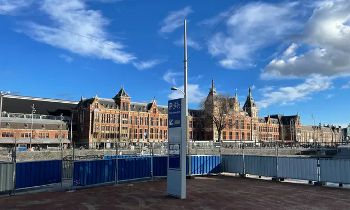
(106, 121)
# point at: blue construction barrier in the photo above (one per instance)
(205, 164)
(134, 168)
(93, 172)
(160, 165)
(31, 174)
(130, 168)
(200, 165)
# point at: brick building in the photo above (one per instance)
(48, 125)
(244, 124)
(102, 122)
(321, 134)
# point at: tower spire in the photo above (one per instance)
(250, 92)
(212, 89)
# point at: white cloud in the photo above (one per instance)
(78, 30)
(171, 77)
(13, 6)
(174, 20)
(66, 58)
(289, 95)
(251, 28)
(215, 21)
(142, 65)
(346, 86)
(190, 43)
(324, 47)
(195, 95)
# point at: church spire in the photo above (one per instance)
(236, 102)
(249, 105)
(250, 92)
(212, 89)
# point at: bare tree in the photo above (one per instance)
(216, 110)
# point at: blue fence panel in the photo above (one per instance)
(335, 170)
(200, 164)
(31, 174)
(93, 172)
(205, 164)
(260, 165)
(298, 168)
(134, 168)
(160, 165)
(233, 163)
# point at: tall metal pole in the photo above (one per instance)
(61, 124)
(185, 95)
(71, 129)
(14, 157)
(31, 128)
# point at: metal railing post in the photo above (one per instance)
(72, 172)
(152, 176)
(116, 162)
(14, 157)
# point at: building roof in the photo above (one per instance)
(195, 113)
(285, 120)
(43, 106)
(134, 106)
(23, 121)
(249, 101)
(121, 93)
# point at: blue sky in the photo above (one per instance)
(295, 54)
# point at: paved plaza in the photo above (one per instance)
(214, 192)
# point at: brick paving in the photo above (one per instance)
(215, 192)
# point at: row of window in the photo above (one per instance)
(269, 137)
(134, 134)
(28, 135)
(269, 129)
(237, 136)
(114, 118)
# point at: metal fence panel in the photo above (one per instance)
(93, 172)
(297, 168)
(134, 168)
(233, 163)
(31, 174)
(67, 169)
(205, 164)
(335, 170)
(6, 177)
(160, 165)
(260, 165)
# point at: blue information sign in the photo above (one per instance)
(174, 113)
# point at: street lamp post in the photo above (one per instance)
(31, 127)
